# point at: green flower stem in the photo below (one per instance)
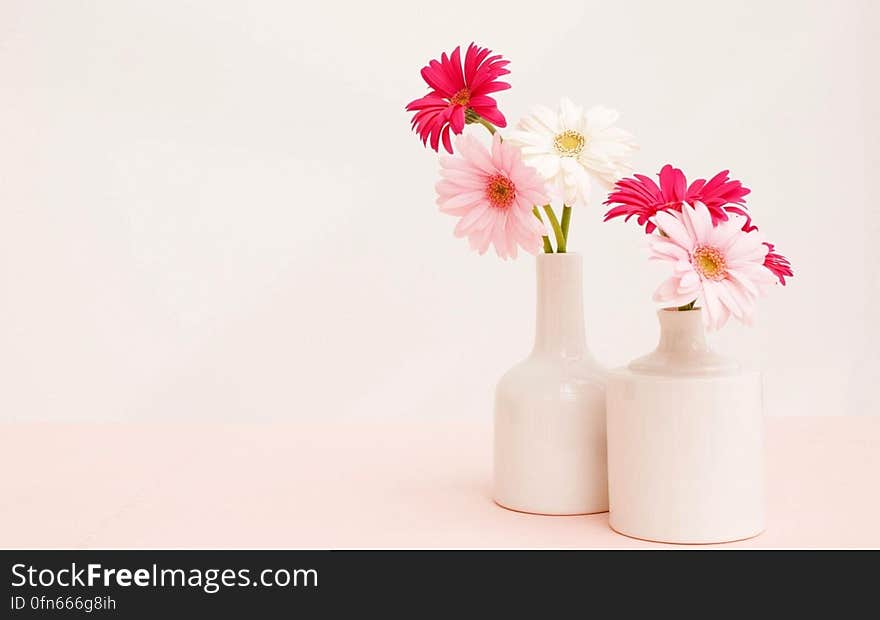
(548, 249)
(482, 121)
(566, 220)
(554, 224)
(472, 117)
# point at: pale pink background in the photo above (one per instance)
(216, 210)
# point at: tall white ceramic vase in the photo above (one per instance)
(685, 441)
(550, 453)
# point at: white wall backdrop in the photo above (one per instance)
(216, 210)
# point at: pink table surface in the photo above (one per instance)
(394, 483)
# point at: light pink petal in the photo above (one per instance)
(498, 238)
(726, 294)
(668, 293)
(463, 199)
(689, 282)
(510, 161)
(459, 163)
(509, 226)
(725, 315)
(485, 220)
(529, 222)
(683, 266)
(748, 247)
(461, 229)
(665, 249)
(447, 189)
(743, 298)
(673, 227)
(480, 240)
(743, 281)
(701, 221)
(529, 237)
(713, 311)
(757, 273)
(531, 188)
(686, 217)
(476, 154)
(722, 236)
(464, 180)
(496, 152)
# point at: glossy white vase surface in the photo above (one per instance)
(685, 441)
(550, 450)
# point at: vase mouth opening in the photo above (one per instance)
(558, 255)
(674, 317)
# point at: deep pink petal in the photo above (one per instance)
(456, 119)
(436, 116)
(491, 87)
(447, 141)
(492, 114)
(437, 79)
(778, 265)
(453, 69)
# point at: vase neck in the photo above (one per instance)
(559, 328)
(681, 332)
(683, 349)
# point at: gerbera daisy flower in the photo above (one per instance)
(777, 264)
(455, 91)
(720, 266)
(641, 197)
(493, 192)
(569, 145)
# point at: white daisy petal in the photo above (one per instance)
(543, 115)
(570, 114)
(571, 149)
(599, 117)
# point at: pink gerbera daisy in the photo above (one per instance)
(493, 193)
(641, 197)
(720, 266)
(777, 264)
(454, 92)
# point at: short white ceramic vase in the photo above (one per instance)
(685, 441)
(550, 453)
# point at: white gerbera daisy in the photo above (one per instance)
(568, 146)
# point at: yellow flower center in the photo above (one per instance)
(500, 191)
(462, 97)
(569, 143)
(709, 263)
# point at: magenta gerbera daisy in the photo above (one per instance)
(457, 90)
(641, 197)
